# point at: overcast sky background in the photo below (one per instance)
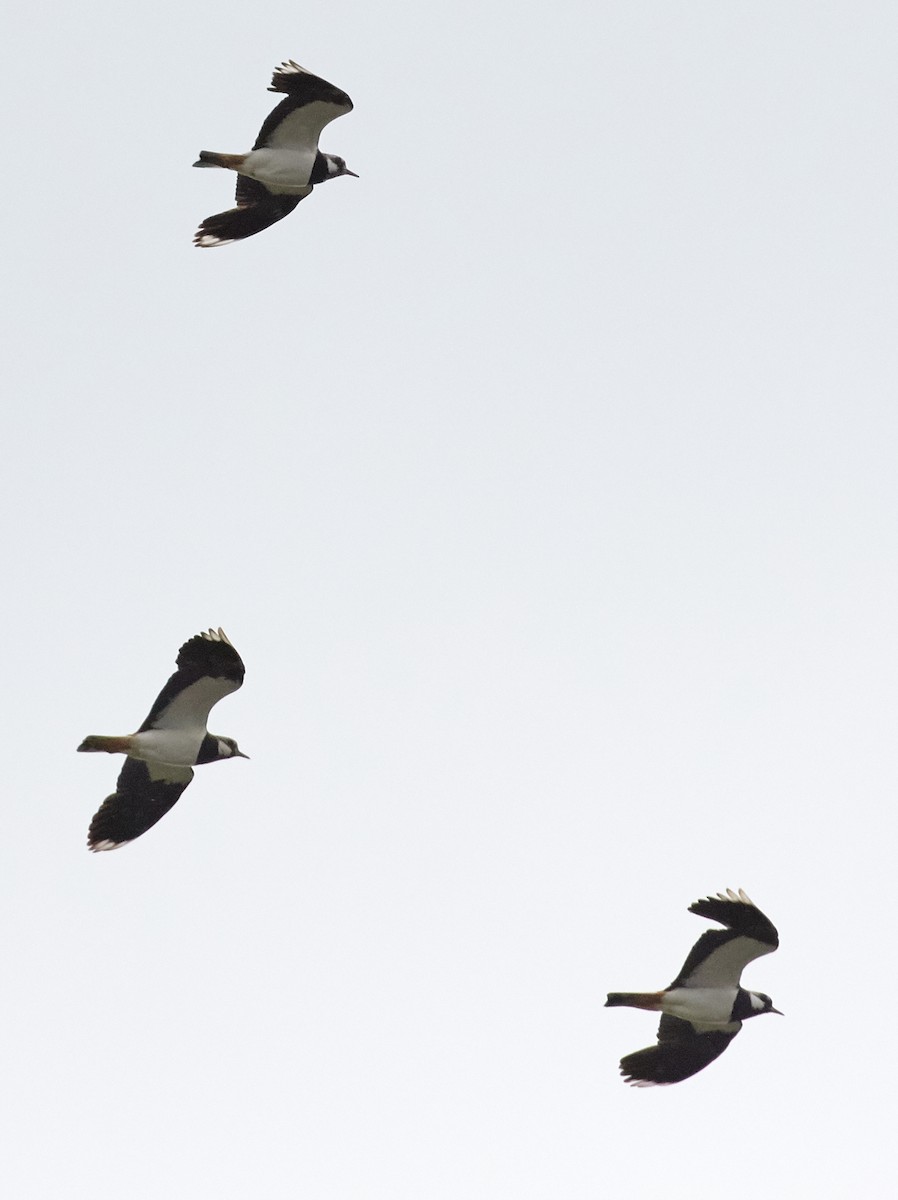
(545, 479)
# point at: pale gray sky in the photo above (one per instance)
(545, 479)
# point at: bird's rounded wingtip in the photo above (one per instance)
(208, 241)
(740, 896)
(216, 635)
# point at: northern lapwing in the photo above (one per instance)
(171, 741)
(285, 162)
(705, 1006)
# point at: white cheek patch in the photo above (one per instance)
(756, 1002)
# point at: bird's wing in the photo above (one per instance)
(257, 208)
(208, 668)
(680, 1052)
(250, 193)
(310, 104)
(719, 956)
(144, 793)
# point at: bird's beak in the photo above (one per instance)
(352, 173)
(240, 754)
(777, 1011)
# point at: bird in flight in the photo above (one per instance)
(170, 742)
(285, 162)
(704, 1007)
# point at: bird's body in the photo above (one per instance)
(286, 173)
(285, 163)
(703, 1009)
(171, 741)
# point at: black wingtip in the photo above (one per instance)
(737, 911)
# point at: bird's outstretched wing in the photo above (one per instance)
(680, 1052)
(257, 208)
(310, 104)
(143, 793)
(208, 668)
(719, 956)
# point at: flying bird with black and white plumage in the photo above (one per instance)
(284, 164)
(704, 1007)
(171, 741)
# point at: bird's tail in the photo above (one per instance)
(109, 745)
(649, 1000)
(211, 158)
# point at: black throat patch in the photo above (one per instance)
(208, 750)
(742, 1008)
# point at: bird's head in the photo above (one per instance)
(761, 1004)
(228, 748)
(337, 166)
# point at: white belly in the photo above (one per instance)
(177, 747)
(285, 172)
(702, 1006)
